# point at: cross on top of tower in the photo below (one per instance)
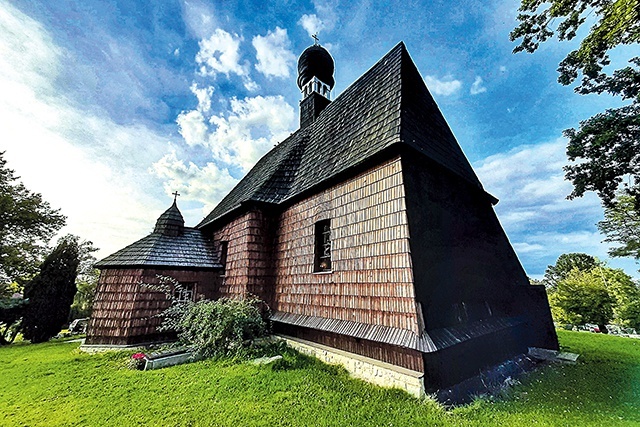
(315, 38)
(175, 196)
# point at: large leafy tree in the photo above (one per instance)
(27, 223)
(564, 265)
(604, 150)
(598, 295)
(582, 297)
(50, 292)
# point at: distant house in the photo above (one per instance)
(366, 231)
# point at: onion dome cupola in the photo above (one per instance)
(315, 71)
(315, 80)
(171, 222)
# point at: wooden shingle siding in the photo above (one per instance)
(371, 281)
(125, 312)
(249, 268)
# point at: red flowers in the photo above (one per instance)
(138, 356)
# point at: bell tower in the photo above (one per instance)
(315, 80)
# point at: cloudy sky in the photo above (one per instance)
(107, 107)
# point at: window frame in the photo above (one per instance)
(322, 262)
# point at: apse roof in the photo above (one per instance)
(388, 106)
(170, 245)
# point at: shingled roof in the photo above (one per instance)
(388, 106)
(170, 245)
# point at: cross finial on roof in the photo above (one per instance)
(315, 38)
(175, 196)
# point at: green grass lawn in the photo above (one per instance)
(55, 384)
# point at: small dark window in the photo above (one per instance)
(184, 291)
(223, 256)
(323, 246)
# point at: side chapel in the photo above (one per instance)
(365, 231)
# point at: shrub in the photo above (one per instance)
(221, 328)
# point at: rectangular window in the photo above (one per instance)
(223, 256)
(323, 246)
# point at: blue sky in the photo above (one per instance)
(109, 106)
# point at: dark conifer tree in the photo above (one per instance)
(50, 292)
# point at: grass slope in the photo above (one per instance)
(54, 384)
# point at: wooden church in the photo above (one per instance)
(366, 231)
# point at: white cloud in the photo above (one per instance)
(220, 54)
(252, 127)
(199, 18)
(477, 87)
(82, 163)
(324, 18)
(311, 23)
(203, 95)
(446, 87)
(527, 247)
(273, 54)
(193, 128)
(208, 184)
(236, 140)
(529, 181)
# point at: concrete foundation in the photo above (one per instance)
(367, 369)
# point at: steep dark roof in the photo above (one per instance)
(388, 106)
(189, 250)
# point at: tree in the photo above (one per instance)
(599, 295)
(83, 300)
(621, 224)
(626, 294)
(565, 264)
(27, 223)
(50, 292)
(582, 297)
(604, 149)
(11, 310)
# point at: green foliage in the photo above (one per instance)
(621, 224)
(27, 223)
(50, 292)
(11, 310)
(565, 264)
(626, 295)
(221, 328)
(598, 295)
(616, 23)
(582, 297)
(604, 149)
(83, 300)
(53, 384)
